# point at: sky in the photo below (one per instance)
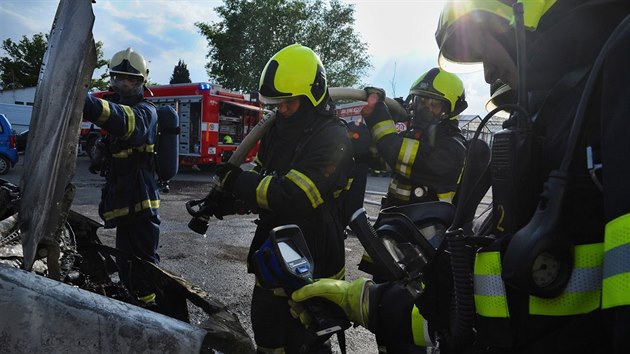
(399, 35)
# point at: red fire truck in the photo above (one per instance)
(207, 114)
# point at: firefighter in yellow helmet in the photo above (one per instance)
(130, 198)
(301, 172)
(552, 274)
(427, 158)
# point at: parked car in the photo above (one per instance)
(20, 141)
(8, 151)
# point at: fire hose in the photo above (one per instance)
(261, 128)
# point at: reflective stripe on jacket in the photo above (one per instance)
(582, 294)
(616, 277)
(131, 190)
(421, 172)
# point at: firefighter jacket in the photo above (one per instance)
(422, 171)
(301, 173)
(130, 190)
(592, 314)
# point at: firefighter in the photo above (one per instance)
(227, 139)
(582, 308)
(130, 197)
(301, 172)
(427, 158)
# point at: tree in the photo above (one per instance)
(251, 31)
(20, 67)
(100, 83)
(180, 73)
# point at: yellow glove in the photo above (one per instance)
(352, 298)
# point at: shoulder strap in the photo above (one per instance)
(310, 132)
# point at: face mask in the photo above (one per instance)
(424, 120)
(126, 87)
(424, 117)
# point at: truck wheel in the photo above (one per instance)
(90, 146)
(4, 165)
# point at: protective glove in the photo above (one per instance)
(101, 154)
(351, 297)
(374, 95)
(227, 204)
(228, 174)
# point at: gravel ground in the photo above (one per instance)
(216, 263)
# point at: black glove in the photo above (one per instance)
(228, 174)
(379, 91)
(101, 155)
(227, 204)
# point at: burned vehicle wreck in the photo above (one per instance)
(59, 287)
(73, 300)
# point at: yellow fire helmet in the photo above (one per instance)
(293, 71)
(129, 62)
(442, 85)
(454, 27)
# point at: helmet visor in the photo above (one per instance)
(127, 85)
(461, 30)
(457, 67)
(277, 100)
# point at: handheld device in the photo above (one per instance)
(284, 261)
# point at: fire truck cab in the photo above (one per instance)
(207, 114)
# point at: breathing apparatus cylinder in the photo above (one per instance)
(167, 154)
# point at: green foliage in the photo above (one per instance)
(180, 73)
(20, 68)
(102, 81)
(252, 31)
(21, 65)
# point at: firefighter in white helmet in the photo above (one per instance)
(130, 198)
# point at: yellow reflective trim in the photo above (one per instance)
(446, 197)
(123, 154)
(306, 185)
(566, 304)
(383, 128)
(616, 283)
(419, 329)
(407, 156)
(490, 297)
(616, 291)
(147, 298)
(261, 193)
(617, 232)
(116, 213)
(586, 276)
(399, 190)
(346, 188)
(257, 161)
(105, 113)
(131, 121)
(147, 204)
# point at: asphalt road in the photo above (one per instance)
(216, 262)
